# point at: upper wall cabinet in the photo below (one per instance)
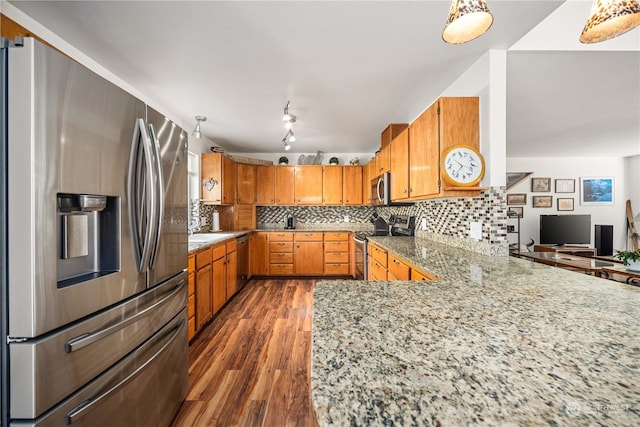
(217, 179)
(265, 185)
(285, 184)
(246, 176)
(308, 185)
(352, 185)
(332, 185)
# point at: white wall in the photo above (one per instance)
(632, 167)
(572, 168)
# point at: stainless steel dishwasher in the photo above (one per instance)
(242, 248)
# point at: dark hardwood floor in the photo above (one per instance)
(251, 364)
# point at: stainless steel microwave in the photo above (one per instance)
(381, 190)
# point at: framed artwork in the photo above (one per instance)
(542, 201)
(540, 185)
(596, 191)
(514, 178)
(517, 199)
(515, 212)
(565, 204)
(565, 185)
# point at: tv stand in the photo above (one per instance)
(567, 249)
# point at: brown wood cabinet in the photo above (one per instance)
(203, 287)
(424, 164)
(191, 302)
(265, 185)
(308, 185)
(383, 160)
(231, 269)
(308, 253)
(391, 132)
(281, 253)
(369, 173)
(218, 179)
(377, 262)
(259, 253)
(246, 187)
(400, 166)
(352, 185)
(285, 184)
(398, 268)
(332, 185)
(244, 217)
(336, 253)
(219, 294)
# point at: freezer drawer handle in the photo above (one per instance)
(82, 409)
(84, 340)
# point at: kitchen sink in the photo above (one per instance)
(209, 237)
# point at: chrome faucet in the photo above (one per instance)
(194, 225)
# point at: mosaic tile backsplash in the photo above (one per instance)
(447, 219)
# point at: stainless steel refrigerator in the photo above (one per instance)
(95, 252)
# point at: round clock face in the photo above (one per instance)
(463, 166)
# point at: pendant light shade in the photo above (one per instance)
(609, 19)
(196, 132)
(468, 19)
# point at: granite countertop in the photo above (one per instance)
(200, 241)
(494, 341)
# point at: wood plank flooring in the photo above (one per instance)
(251, 365)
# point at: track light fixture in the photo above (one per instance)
(289, 119)
(196, 132)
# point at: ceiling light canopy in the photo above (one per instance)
(609, 19)
(196, 132)
(468, 19)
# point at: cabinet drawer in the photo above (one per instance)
(378, 254)
(203, 258)
(281, 258)
(280, 269)
(281, 237)
(336, 257)
(421, 275)
(308, 236)
(398, 268)
(219, 251)
(231, 245)
(280, 246)
(191, 263)
(377, 270)
(336, 246)
(336, 269)
(333, 236)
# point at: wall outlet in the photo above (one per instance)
(423, 224)
(346, 218)
(475, 230)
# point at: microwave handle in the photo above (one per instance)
(379, 193)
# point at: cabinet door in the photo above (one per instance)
(246, 180)
(259, 253)
(203, 296)
(232, 274)
(352, 185)
(424, 154)
(370, 170)
(383, 159)
(228, 180)
(400, 166)
(265, 185)
(219, 286)
(332, 185)
(211, 177)
(285, 182)
(308, 185)
(308, 258)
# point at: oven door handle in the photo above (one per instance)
(359, 240)
(379, 193)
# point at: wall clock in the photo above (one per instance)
(462, 166)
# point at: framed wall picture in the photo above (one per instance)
(540, 185)
(565, 204)
(519, 199)
(515, 212)
(565, 185)
(542, 201)
(596, 191)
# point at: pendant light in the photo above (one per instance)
(609, 19)
(468, 19)
(196, 132)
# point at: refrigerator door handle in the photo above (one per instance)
(137, 190)
(76, 413)
(159, 193)
(84, 340)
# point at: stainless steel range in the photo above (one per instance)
(96, 331)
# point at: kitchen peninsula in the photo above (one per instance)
(496, 340)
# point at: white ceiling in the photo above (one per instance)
(350, 68)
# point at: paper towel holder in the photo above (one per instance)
(215, 221)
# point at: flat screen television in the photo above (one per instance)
(565, 229)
